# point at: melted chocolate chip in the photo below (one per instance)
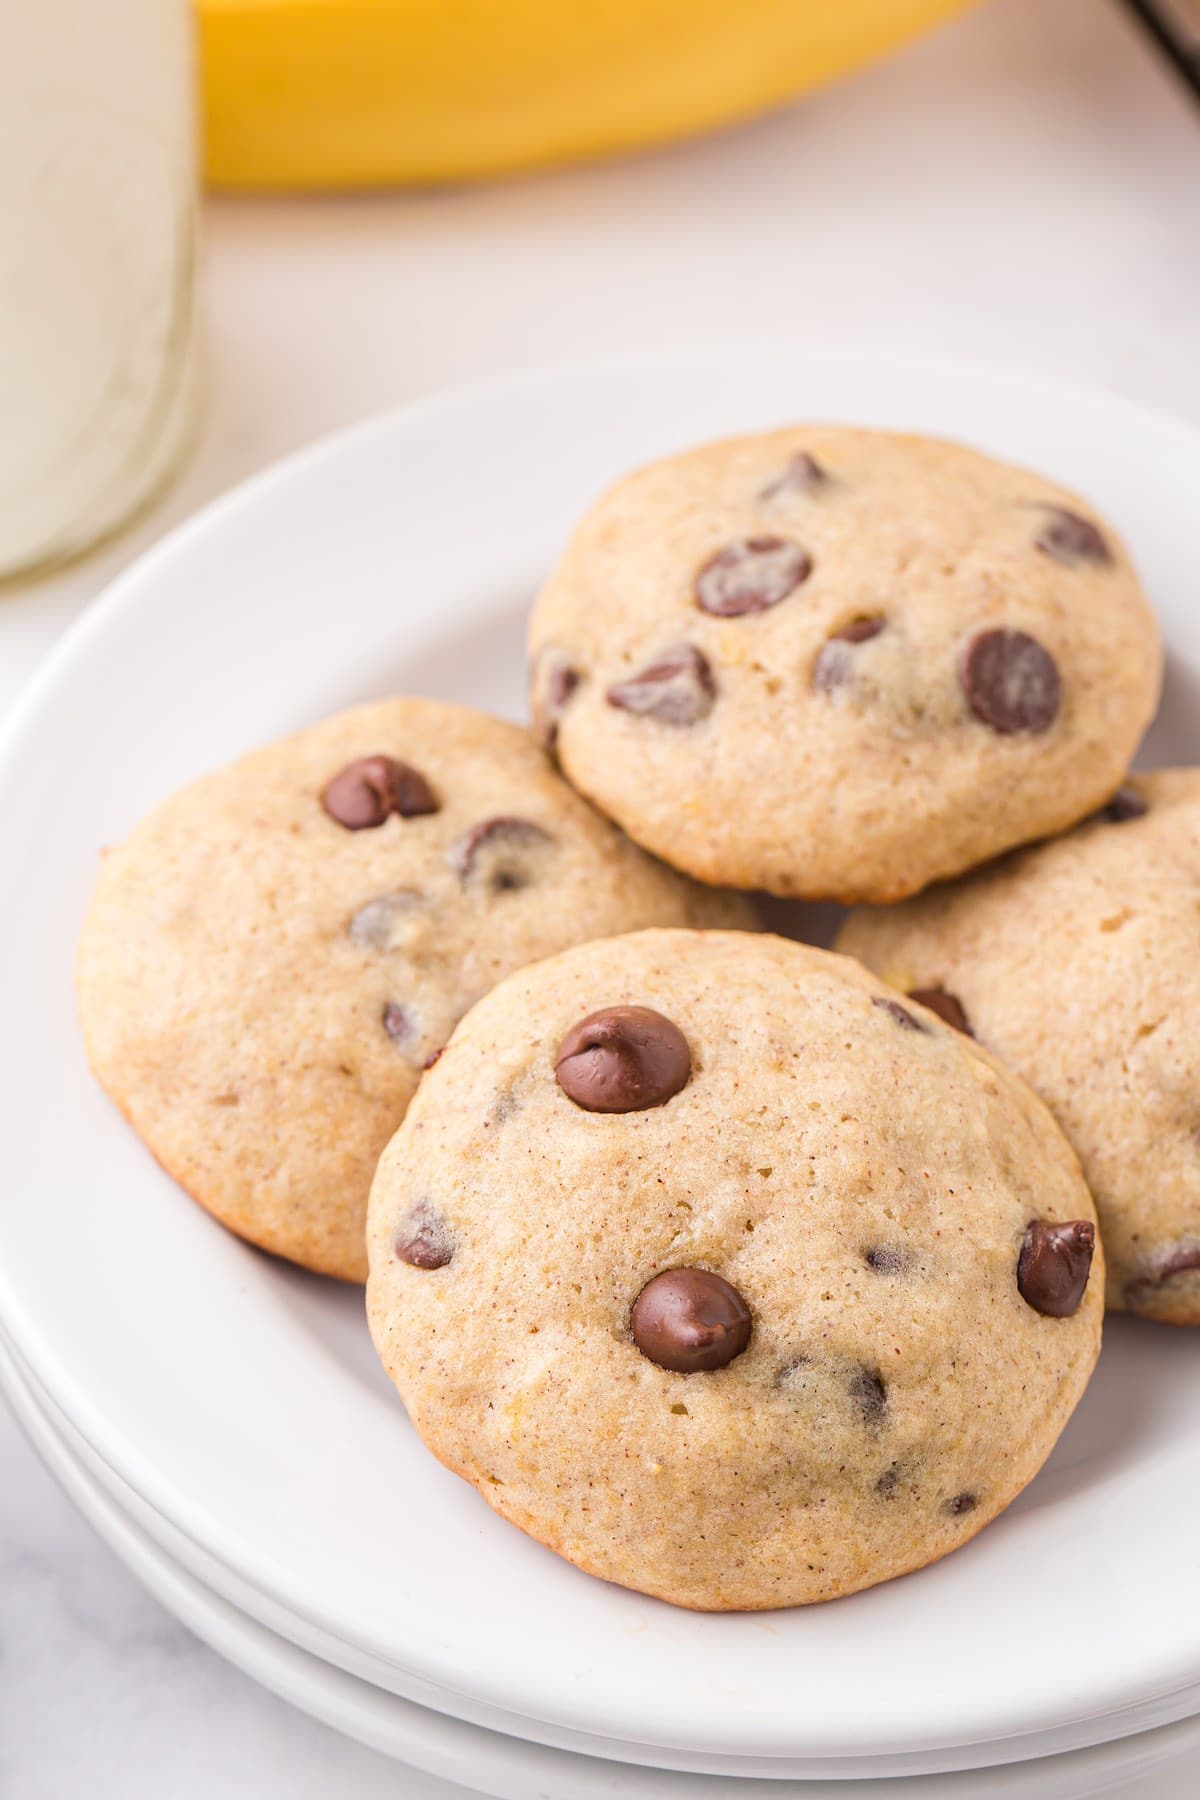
(399, 1022)
(948, 1007)
(555, 681)
(888, 1482)
(389, 923)
(885, 1260)
(423, 1238)
(857, 631)
(750, 575)
(962, 1503)
(623, 1059)
(505, 1105)
(562, 683)
(1155, 1272)
(1069, 538)
(365, 793)
(1126, 804)
(1010, 682)
(868, 1391)
(501, 855)
(677, 688)
(1053, 1267)
(690, 1321)
(895, 1011)
(786, 1374)
(802, 474)
(834, 664)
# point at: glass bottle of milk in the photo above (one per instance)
(98, 221)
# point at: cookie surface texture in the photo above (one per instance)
(841, 664)
(790, 1323)
(274, 953)
(1078, 962)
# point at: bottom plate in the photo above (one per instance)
(510, 1768)
(264, 1614)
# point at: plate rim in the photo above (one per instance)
(115, 594)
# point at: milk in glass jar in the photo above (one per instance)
(97, 266)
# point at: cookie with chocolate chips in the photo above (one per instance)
(275, 952)
(1078, 962)
(729, 1273)
(841, 664)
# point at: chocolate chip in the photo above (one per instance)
(1053, 1267)
(1126, 804)
(389, 923)
(504, 1106)
(948, 1007)
(888, 1482)
(802, 474)
(885, 1260)
(690, 1320)
(750, 575)
(1155, 1272)
(834, 662)
(857, 631)
(562, 684)
(1011, 683)
(555, 679)
(787, 1373)
(962, 1503)
(366, 792)
(1071, 539)
(423, 1238)
(623, 1059)
(677, 688)
(399, 1022)
(867, 1388)
(895, 1011)
(501, 855)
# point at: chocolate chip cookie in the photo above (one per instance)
(277, 950)
(841, 664)
(1078, 962)
(729, 1273)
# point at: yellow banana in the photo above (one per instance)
(342, 93)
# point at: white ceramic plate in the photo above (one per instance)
(241, 1399)
(503, 1766)
(217, 1579)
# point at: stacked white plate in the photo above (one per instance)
(221, 1416)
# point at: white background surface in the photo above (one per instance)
(1021, 188)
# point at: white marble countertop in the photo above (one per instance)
(1020, 187)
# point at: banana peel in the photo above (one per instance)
(312, 94)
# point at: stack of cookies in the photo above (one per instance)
(737, 1271)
